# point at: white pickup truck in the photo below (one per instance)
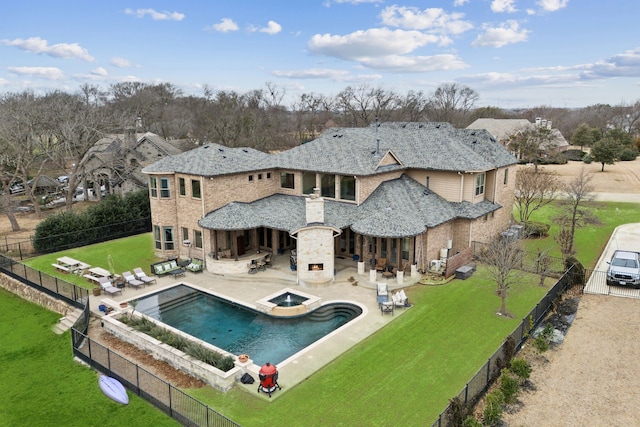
(624, 269)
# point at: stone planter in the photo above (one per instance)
(96, 292)
(124, 304)
(243, 358)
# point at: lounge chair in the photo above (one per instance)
(267, 260)
(106, 286)
(381, 264)
(382, 293)
(141, 275)
(131, 280)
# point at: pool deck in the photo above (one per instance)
(249, 288)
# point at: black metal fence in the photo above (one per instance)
(491, 369)
(172, 401)
(75, 239)
(177, 404)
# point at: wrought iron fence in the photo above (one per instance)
(74, 239)
(172, 401)
(491, 369)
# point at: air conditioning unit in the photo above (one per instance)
(186, 242)
(434, 265)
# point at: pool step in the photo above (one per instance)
(327, 313)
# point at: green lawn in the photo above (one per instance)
(127, 253)
(405, 373)
(40, 383)
(590, 241)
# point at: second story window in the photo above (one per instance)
(506, 176)
(195, 188)
(480, 184)
(328, 186)
(347, 188)
(286, 180)
(182, 187)
(153, 186)
(165, 190)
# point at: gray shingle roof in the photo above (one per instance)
(397, 208)
(354, 151)
(213, 159)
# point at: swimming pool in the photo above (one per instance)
(241, 330)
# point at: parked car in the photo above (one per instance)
(624, 269)
(16, 188)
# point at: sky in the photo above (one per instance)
(513, 53)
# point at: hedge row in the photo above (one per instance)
(116, 216)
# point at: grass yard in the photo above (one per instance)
(127, 253)
(404, 374)
(40, 383)
(591, 240)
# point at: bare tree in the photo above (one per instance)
(502, 259)
(534, 189)
(451, 103)
(573, 212)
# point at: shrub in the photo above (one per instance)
(493, 408)
(521, 368)
(535, 229)
(470, 421)
(509, 386)
(577, 274)
(541, 344)
(628, 154)
(574, 155)
(587, 159)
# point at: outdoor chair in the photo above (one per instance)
(106, 286)
(267, 260)
(400, 299)
(252, 266)
(131, 280)
(381, 264)
(141, 275)
(382, 293)
(195, 266)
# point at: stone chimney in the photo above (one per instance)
(130, 137)
(315, 208)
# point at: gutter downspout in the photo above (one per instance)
(461, 185)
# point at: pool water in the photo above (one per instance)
(241, 330)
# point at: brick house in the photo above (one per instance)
(403, 192)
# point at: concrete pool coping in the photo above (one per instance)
(349, 286)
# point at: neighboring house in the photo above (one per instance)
(505, 129)
(115, 162)
(401, 191)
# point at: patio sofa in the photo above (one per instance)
(165, 267)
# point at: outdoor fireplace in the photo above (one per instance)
(316, 267)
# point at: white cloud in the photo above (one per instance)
(434, 19)
(552, 5)
(225, 25)
(100, 71)
(376, 42)
(507, 33)
(460, 2)
(155, 15)
(271, 28)
(499, 6)
(3, 81)
(415, 64)
(312, 73)
(59, 50)
(119, 62)
(50, 73)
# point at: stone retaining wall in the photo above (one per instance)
(215, 377)
(33, 295)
